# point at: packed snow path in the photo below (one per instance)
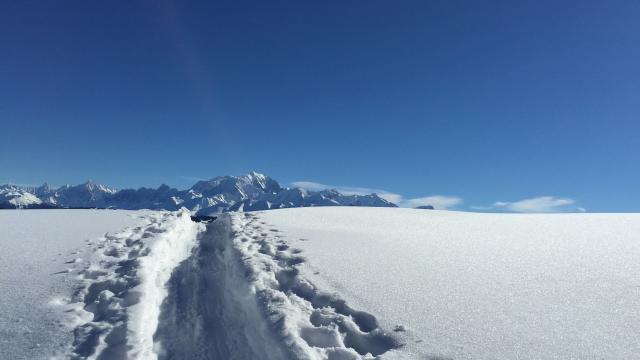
(240, 296)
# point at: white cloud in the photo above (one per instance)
(542, 204)
(437, 201)
(310, 185)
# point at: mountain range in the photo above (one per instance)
(250, 192)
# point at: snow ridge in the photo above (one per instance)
(313, 324)
(124, 286)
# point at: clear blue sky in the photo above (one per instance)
(486, 101)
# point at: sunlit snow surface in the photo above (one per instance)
(335, 283)
(480, 286)
(87, 283)
(37, 247)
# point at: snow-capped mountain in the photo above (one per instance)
(88, 194)
(250, 192)
(12, 196)
(164, 197)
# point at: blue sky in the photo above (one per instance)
(483, 104)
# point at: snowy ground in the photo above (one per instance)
(320, 283)
(118, 303)
(480, 286)
(37, 247)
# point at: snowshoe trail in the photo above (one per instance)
(229, 289)
(314, 324)
(118, 303)
(240, 296)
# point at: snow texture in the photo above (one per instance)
(239, 296)
(125, 285)
(479, 286)
(39, 251)
(313, 324)
(333, 283)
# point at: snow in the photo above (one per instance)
(124, 286)
(313, 324)
(17, 197)
(475, 286)
(323, 283)
(239, 296)
(211, 311)
(87, 283)
(38, 247)
(174, 244)
(24, 199)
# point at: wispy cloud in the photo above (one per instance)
(437, 201)
(541, 204)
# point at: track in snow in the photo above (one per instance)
(240, 296)
(123, 287)
(210, 312)
(170, 289)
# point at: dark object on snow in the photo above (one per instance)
(203, 218)
(426, 207)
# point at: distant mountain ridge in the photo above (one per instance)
(250, 192)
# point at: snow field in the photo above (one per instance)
(332, 283)
(40, 252)
(480, 286)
